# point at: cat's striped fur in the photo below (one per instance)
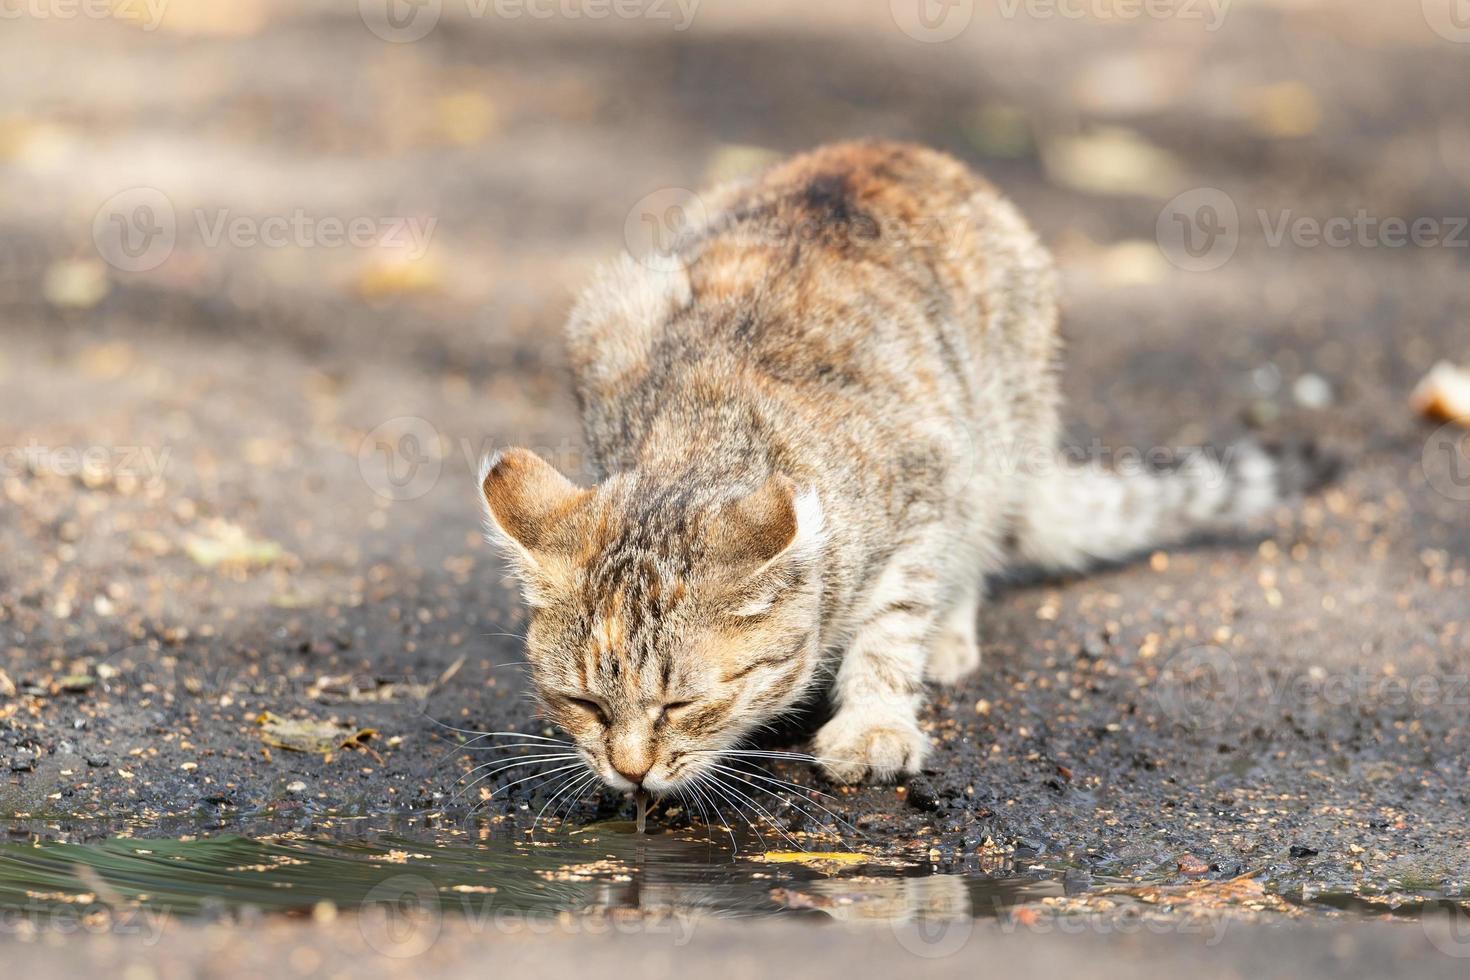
(818, 427)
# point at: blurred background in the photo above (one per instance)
(253, 233)
(275, 273)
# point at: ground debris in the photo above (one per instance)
(226, 545)
(1444, 394)
(1191, 865)
(310, 735)
(814, 857)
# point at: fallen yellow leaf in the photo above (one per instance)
(814, 857)
(228, 545)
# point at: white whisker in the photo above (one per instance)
(739, 775)
(698, 785)
(716, 786)
(502, 766)
(577, 788)
(534, 775)
(763, 812)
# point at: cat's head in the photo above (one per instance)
(666, 624)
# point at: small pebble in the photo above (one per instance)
(1312, 391)
(22, 763)
(1193, 866)
(921, 796)
(98, 761)
(296, 786)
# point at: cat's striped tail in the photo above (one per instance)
(1081, 514)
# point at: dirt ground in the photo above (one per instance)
(238, 454)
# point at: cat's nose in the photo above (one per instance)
(632, 775)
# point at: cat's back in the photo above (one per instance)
(824, 272)
(858, 212)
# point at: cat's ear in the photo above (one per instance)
(774, 526)
(529, 508)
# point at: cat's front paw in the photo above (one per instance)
(953, 656)
(873, 746)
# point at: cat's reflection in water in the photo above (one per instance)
(852, 899)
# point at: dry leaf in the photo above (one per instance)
(1244, 891)
(1132, 263)
(1193, 866)
(310, 735)
(75, 284)
(1285, 110)
(467, 117)
(1114, 161)
(398, 276)
(106, 362)
(229, 546)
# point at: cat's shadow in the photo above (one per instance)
(794, 730)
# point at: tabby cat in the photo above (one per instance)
(816, 426)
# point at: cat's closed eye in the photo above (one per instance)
(670, 710)
(591, 707)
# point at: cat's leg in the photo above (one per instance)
(874, 733)
(955, 651)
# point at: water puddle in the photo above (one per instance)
(603, 869)
(600, 868)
